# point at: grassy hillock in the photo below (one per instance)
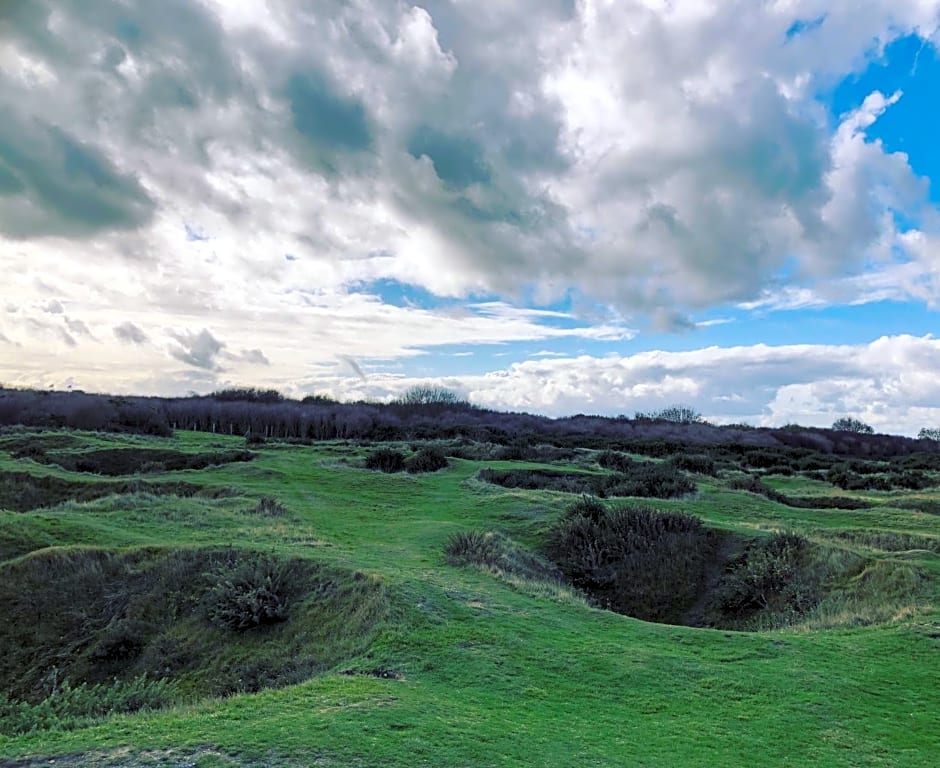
(171, 603)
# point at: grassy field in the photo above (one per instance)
(455, 666)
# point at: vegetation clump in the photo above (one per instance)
(850, 424)
(249, 593)
(770, 576)
(426, 460)
(270, 506)
(632, 560)
(496, 551)
(386, 460)
(126, 461)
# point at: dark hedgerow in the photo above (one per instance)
(426, 460)
(386, 460)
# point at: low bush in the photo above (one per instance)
(249, 593)
(632, 560)
(426, 460)
(614, 460)
(849, 480)
(652, 480)
(698, 463)
(386, 460)
(752, 484)
(769, 576)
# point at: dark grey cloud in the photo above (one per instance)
(130, 333)
(457, 160)
(255, 356)
(66, 187)
(328, 121)
(200, 350)
(77, 327)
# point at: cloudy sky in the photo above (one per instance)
(599, 206)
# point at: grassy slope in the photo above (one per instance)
(494, 676)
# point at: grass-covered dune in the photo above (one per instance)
(301, 609)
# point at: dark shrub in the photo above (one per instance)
(426, 460)
(251, 592)
(635, 561)
(652, 480)
(768, 576)
(386, 460)
(693, 462)
(619, 462)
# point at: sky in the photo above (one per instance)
(554, 206)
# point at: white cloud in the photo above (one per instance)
(891, 383)
(656, 158)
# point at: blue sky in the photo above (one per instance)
(551, 206)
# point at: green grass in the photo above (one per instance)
(472, 668)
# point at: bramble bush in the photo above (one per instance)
(632, 560)
(249, 593)
(386, 460)
(426, 460)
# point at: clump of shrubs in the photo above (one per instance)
(426, 460)
(652, 480)
(249, 593)
(386, 460)
(698, 463)
(614, 460)
(633, 560)
(848, 479)
(769, 577)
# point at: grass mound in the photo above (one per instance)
(495, 551)
(211, 621)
